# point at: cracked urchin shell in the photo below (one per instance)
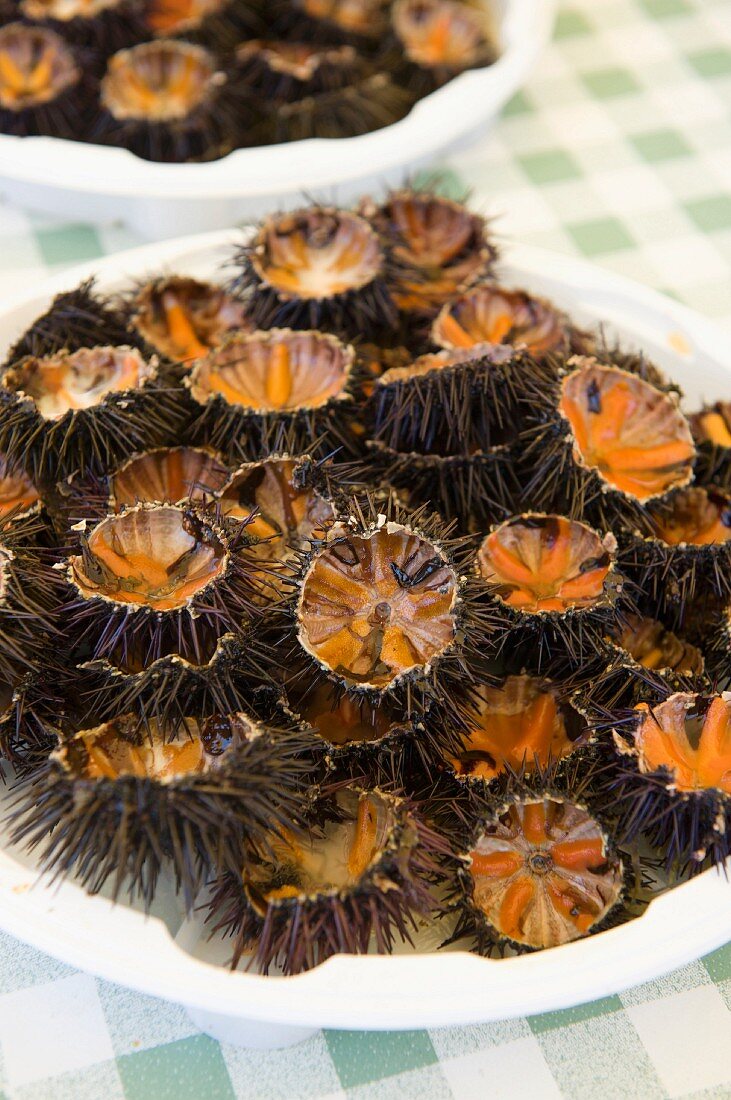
(438, 40)
(77, 318)
(493, 314)
(472, 490)
(606, 444)
(683, 562)
(437, 247)
(117, 802)
(317, 268)
(269, 392)
(166, 101)
(554, 586)
(45, 88)
(102, 26)
(183, 318)
(383, 607)
(670, 778)
(538, 872)
(83, 409)
(361, 880)
(711, 428)
(455, 402)
(218, 24)
(157, 579)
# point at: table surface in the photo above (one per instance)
(618, 150)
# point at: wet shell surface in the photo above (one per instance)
(542, 873)
(495, 315)
(374, 606)
(168, 474)
(632, 434)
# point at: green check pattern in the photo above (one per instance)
(619, 150)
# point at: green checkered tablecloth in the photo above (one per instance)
(618, 149)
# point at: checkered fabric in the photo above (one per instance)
(619, 150)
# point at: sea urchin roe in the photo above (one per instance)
(441, 33)
(289, 513)
(17, 492)
(122, 747)
(690, 736)
(332, 860)
(317, 253)
(352, 16)
(183, 318)
(160, 557)
(176, 16)
(342, 721)
(542, 875)
(36, 66)
(158, 81)
(68, 381)
(652, 646)
(631, 433)
(713, 425)
(494, 315)
(698, 517)
(519, 724)
(545, 563)
(65, 10)
(374, 606)
(299, 60)
(168, 474)
(275, 371)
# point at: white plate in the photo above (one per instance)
(167, 956)
(164, 200)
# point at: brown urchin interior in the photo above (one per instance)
(161, 81)
(699, 517)
(631, 433)
(374, 606)
(690, 735)
(441, 33)
(167, 474)
(183, 318)
(317, 253)
(332, 861)
(545, 563)
(177, 16)
(122, 747)
(36, 65)
(17, 492)
(69, 381)
(517, 725)
(159, 557)
(542, 875)
(494, 315)
(653, 646)
(275, 371)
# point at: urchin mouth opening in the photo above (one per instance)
(70, 382)
(331, 860)
(440, 33)
(317, 254)
(696, 517)
(183, 318)
(36, 66)
(495, 315)
(632, 435)
(160, 558)
(374, 607)
(167, 475)
(163, 81)
(276, 372)
(124, 747)
(546, 563)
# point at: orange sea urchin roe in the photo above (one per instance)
(35, 66)
(514, 726)
(157, 81)
(342, 721)
(542, 875)
(494, 315)
(183, 318)
(175, 16)
(317, 253)
(159, 557)
(713, 425)
(17, 491)
(633, 434)
(374, 606)
(168, 474)
(693, 743)
(275, 371)
(441, 33)
(355, 16)
(654, 647)
(545, 563)
(699, 517)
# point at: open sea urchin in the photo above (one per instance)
(183, 318)
(43, 89)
